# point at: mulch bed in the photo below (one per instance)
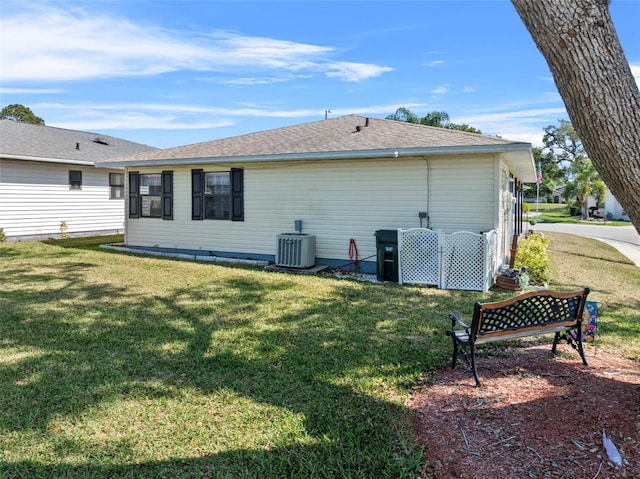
(535, 416)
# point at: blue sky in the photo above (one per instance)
(169, 73)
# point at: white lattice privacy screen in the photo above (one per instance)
(461, 260)
(418, 256)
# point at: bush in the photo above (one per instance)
(532, 254)
(3, 237)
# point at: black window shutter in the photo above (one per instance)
(197, 195)
(134, 194)
(167, 195)
(237, 194)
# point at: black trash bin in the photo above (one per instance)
(387, 255)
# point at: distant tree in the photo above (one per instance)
(592, 74)
(565, 159)
(441, 119)
(438, 119)
(434, 118)
(552, 174)
(404, 114)
(464, 127)
(586, 183)
(21, 113)
(565, 145)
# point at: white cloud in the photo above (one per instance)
(30, 91)
(58, 45)
(139, 122)
(435, 63)
(523, 121)
(140, 116)
(348, 71)
(247, 81)
(441, 90)
(266, 52)
(382, 110)
(246, 110)
(521, 125)
(72, 44)
(250, 81)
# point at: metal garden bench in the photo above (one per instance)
(528, 314)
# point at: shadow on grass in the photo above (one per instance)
(81, 345)
(88, 243)
(619, 259)
(239, 464)
(547, 219)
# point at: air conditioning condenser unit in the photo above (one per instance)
(296, 250)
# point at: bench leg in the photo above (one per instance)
(555, 342)
(581, 349)
(575, 342)
(471, 361)
(473, 365)
(454, 359)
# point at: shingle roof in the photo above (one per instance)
(350, 134)
(27, 141)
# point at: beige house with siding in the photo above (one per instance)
(47, 176)
(339, 179)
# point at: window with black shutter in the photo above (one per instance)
(217, 195)
(151, 195)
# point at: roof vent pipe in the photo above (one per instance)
(77, 146)
(366, 121)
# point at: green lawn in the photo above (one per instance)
(559, 213)
(116, 365)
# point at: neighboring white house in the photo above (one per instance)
(47, 176)
(340, 179)
(611, 210)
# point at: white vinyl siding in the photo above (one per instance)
(35, 198)
(336, 200)
(464, 194)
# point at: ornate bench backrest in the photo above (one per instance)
(534, 309)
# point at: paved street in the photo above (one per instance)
(624, 238)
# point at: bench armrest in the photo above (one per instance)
(456, 320)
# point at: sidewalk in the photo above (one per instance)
(624, 238)
(629, 250)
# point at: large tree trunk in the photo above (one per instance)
(581, 46)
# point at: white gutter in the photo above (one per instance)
(331, 155)
(46, 160)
